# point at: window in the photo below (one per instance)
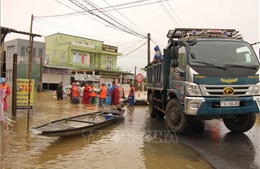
(219, 52)
(77, 58)
(62, 57)
(22, 50)
(82, 59)
(40, 52)
(86, 58)
(91, 59)
(181, 58)
(10, 51)
(74, 57)
(46, 59)
(108, 63)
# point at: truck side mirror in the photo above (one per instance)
(174, 63)
(192, 42)
(174, 52)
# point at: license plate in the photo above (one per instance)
(229, 103)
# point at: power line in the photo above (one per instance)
(124, 16)
(133, 45)
(175, 14)
(120, 23)
(124, 29)
(51, 24)
(132, 51)
(168, 13)
(126, 43)
(108, 8)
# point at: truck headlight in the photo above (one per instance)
(256, 89)
(192, 89)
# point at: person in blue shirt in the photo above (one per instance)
(158, 54)
(108, 98)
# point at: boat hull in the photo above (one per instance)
(78, 125)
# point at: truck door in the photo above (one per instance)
(177, 75)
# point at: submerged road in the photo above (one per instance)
(137, 141)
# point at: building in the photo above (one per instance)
(87, 60)
(66, 58)
(20, 46)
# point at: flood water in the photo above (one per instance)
(131, 143)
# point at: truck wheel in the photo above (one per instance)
(152, 111)
(242, 123)
(176, 120)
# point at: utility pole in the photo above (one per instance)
(135, 77)
(40, 79)
(14, 86)
(2, 56)
(148, 47)
(30, 50)
(29, 71)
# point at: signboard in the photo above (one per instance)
(85, 77)
(109, 48)
(23, 93)
(139, 77)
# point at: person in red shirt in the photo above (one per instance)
(85, 97)
(2, 96)
(115, 95)
(7, 93)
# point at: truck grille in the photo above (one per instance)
(214, 90)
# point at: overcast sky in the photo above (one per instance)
(156, 17)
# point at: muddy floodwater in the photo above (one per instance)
(132, 142)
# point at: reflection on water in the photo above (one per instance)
(223, 148)
(124, 144)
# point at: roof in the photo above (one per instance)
(5, 31)
(59, 67)
(73, 36)
(9, 30)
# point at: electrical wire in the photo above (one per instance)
(131, 51)
(62, 27)
(175, 14)
(119, 24)
(117, 7)
(77, 3)
(126, 43)
(84, 14)
(167, 12)
(124, 16)
(132, 46)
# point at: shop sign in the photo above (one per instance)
(109, 48)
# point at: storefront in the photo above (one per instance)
(52, 76)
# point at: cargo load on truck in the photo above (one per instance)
(205, 74)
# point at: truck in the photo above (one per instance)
(205, 74)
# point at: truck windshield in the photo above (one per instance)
(224, 53)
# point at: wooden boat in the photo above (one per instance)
(78, 125)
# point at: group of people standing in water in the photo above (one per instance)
(109, 94)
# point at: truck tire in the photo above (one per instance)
(242, 123)
(152, 111)
(176, 120)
